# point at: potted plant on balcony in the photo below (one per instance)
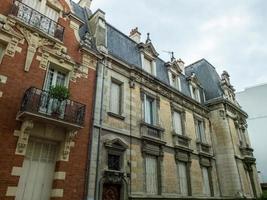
(59, 94)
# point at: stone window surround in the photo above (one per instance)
(3, 45)
(172, 73)
(206, 162)
(185, 156)
(159, 157)
(144, 92)
(152, 59)
(202, 119)
(121, 114)
(175, 108)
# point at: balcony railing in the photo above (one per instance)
(203, 147)
(246, 151)
(152, 131)
(181, 140)
(40, 103)
(35, 19)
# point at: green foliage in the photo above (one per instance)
(59, 92)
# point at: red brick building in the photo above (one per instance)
(45, 140)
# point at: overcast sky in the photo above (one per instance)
(231, 35)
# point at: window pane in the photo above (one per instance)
(115, 98)
(177, 123)
(114, 162)
(183, 178)
(206, 182)
(151, 175)
(150, 110)
(148, 66)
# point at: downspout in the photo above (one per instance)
(131, 87)
(103, 62)
(90, 141)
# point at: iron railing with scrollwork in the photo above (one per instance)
(39, 102)
(152, 131)
(36, 19)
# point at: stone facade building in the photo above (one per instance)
(160, 130)
(163, 130)
(45, 141)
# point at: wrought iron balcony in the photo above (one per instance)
(37, 20)
(38, 104)
(151, 131)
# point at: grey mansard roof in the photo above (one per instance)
(124, 48)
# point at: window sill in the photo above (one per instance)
(116, 115)
(152, 126)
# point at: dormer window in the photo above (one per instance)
(148, 66)
(195, 94)
(175, 82)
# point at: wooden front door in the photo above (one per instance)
(111, 192)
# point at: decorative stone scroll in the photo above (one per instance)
(67, 145)
(24, 137)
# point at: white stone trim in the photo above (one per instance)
(59, 175)
(57, 193)
(3, 79)
(11, 191)
(16, 171)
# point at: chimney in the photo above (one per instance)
(135, 35)
(181, 65)
(85, 3)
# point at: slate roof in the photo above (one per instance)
(124, 48)
(207, 76)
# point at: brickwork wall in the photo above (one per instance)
(17, 82)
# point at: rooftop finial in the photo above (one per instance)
(148, 38)
(172, 56)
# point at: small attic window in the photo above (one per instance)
(175, 82)
(195, 94)
(149, 66)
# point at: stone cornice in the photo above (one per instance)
(230, 105)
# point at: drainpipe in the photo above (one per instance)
(96, 196)
(90, 141)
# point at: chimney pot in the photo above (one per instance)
(135, 35)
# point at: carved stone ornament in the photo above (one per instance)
(67, 145)
(34, 42)
(6, 28)
(148, 47)
(24, 137)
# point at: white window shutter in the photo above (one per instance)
(183, 178)
(206, 182)
(151, 175)
(115, 98)
(177, 123)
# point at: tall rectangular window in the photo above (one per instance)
(176, 81)
(150, 110)
(115, 98)
(151, 174)
(200, 131)
(206, 181)
(177, 123)
(183, 178)
(2, 51)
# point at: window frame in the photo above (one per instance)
(208, 168)
(158, 175)
(187, 174)
(182, 120)
(115, 153)
(201, 136)
(2, 54)
(155, 106)
(121, 99)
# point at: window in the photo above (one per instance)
(151, 174)
(177, 123)
(116, 98)
(114, 162)
(42, 7)
(200, 131)
(183, 178)
(206, 181)
(148, 66)
(176, 82)
(55, 77)
(195, 94)
(150, 110)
